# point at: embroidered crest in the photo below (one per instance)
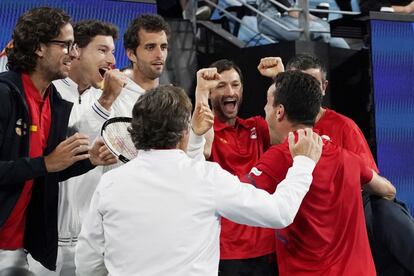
(253, 134)
(21, 127)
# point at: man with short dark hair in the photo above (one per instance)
(340, 129)
(163, 217)
(389, 224)
(146, 45)
(328, 236)
(35, 151)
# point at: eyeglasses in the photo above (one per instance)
(70, 45)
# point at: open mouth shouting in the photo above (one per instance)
(230, 105)
(103, 70)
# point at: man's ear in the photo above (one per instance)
(280, 112)
(324, 86)
(41, 50)
(131, 55)
(79, 53)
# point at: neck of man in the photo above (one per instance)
(145, 82)
(40, 81)
(293, 127)
(320, 114)
(77, 77)
(225, 120)
(230, 122)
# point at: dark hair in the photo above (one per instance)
(86, 30)
(149, 22)
(39, 25)
(159, 118)
(225, 65)
(301, 96)
(304, 62)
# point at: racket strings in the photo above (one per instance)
(120, 139)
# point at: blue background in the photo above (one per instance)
(115, 12)
(393, 82)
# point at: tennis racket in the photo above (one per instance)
(116, 137)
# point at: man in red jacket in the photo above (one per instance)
(328, 235)
(237, 146)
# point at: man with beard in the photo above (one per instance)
(95, 40)
(237, 146)
(35, 151)
(146, 45)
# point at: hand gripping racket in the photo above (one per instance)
(116, 137)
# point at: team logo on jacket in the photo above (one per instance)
(255, 171)
(253, 134)
(223, 140)
(21, 127)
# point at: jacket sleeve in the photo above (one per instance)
(393, 227)
(92, 120)
(195, 146)
(76, 169)
(90, 249)
(21, 169)
(244, 204)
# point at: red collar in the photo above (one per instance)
(219, 125)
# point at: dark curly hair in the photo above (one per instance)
(149, 22)
(160, 117)
(301, 96)
(86, 30)
(38, 25)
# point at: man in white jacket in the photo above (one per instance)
(160, 213)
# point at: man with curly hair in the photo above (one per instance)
(95, 40)
(35, 152)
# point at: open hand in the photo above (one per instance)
(69, 151)
(101, 155)
(202, 119)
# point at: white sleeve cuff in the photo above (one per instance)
(196, 140)
(101, 111)
(195, 148)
